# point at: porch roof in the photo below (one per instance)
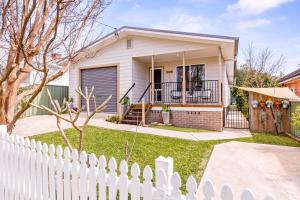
(281, 93)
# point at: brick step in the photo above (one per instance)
(132, 117)
(129, 121)
(135, 113)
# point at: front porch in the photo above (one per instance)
(190, 77)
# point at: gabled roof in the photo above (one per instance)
(170, 32)
(293, 75)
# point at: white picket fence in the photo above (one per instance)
(30, 170)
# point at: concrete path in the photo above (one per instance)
(46, 123)
(264, 169)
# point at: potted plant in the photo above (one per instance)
(285, 104)
(166, 113)
(269, 103)
(125, 103)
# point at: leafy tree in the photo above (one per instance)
(260, 70)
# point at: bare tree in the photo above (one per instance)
(262, 66)
(33, 33)
(73, 115)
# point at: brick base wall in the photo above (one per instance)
(210, 120)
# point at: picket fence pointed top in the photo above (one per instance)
(45, 148)
(123, 167)
(102, 162)
(52, 150)
(191, 185)
(135, 170)
(27, 142)
(92, 160)
(39, 146)
(59, 151)
(16, 139)
(148, 175)
(22, 141)
(83, 157)
(208, 189)
(247, 195)
(226, 193)
(12, 139)
(74, 155)
(176, 180)
(33, 144)
(112, 164)
(67, 153)
(161, 179)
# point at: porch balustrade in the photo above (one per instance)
(197, 92)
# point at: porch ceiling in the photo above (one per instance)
(177, 56)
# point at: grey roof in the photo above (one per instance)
(290, 75)
(180, 33)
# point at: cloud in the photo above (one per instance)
(254, 7)
(248, 24)
(136, 6)
(185, 22)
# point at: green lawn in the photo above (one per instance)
(190, 157)
(176, 128)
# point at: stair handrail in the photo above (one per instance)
(132, 86)
(145, 92)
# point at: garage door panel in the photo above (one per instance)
(104, 80)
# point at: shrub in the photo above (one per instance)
(296, 117)
(113, 119)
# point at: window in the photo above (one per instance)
(194, 75)
(129, 43)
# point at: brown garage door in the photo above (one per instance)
(104, 80)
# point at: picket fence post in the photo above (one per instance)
(135, 186)
(92, 175)
(147, 184)
(75, 175)
(112, 179)
(123, 181)
(102, 177)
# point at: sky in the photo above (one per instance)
(273, 24)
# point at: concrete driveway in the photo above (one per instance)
(40, 124)
(264, 169)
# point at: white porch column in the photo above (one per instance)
(220, 76)
(152, 80)
(183, 79)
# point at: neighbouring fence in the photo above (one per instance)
(294, 130)
(32, 171)
(57, 92)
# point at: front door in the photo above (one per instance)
(157, 84)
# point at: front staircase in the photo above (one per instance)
(133, 115)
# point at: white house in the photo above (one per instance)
(191, 72)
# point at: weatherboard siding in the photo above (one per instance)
(131, 71)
